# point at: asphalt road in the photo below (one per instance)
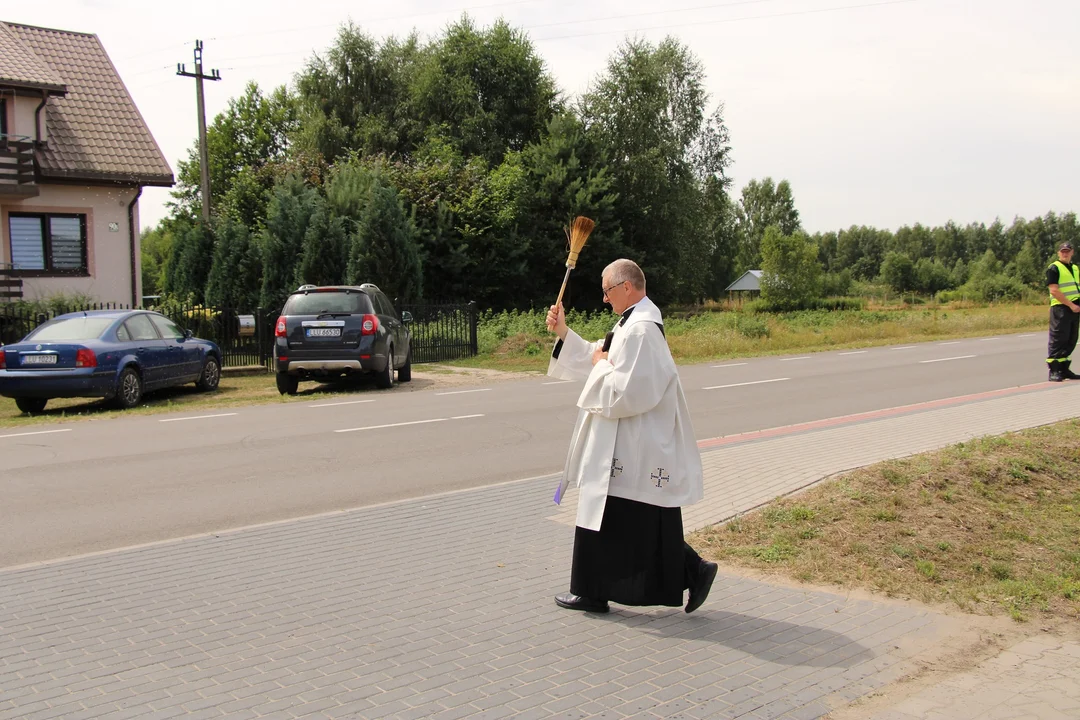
(96, 485)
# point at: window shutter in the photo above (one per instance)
(66, 236)
(27, 243)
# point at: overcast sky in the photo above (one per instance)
(878, 112)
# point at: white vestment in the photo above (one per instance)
(633, 438)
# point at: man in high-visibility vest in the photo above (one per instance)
(1063, 279)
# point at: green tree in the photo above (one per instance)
(1027, 266)
(485, 90)
(862, 249)
(383, 248)
(931, 276)
(155, 249)
(288, 216)
(323, 253)
(250, 133)
(188, 265)
(358, 96)
(565, 176)
(761, 205)
(235, 274)
(898, 271)
(648, 112)
(791, 271)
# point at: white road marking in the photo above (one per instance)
(989, 338)
(462, 392)
(804, 357)
(197, 417)
(335, 404)
(1028, 335)
(855, 352)
(403, 424)
(558, 382)
(958, 357)
(39, 432)
(905, 347)
(954, 342)
(754, 382)
(729, 365)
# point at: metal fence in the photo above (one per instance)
(442, 332)
(439, 332)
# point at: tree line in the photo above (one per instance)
(447, 169)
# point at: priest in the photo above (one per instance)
(633, 457)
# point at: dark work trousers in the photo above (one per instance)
(1064, 326)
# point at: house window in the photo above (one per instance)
(3, 117)
(48, 244)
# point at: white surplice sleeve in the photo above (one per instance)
(572, 358)
(636, 382)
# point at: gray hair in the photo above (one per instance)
(624, 270)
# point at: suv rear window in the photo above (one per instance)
(315, 303)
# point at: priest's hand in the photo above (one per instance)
(598, 355)
(556, 321)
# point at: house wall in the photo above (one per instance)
(21, 116)
(108, 250)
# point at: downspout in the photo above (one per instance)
(131, 239)
(37, 116)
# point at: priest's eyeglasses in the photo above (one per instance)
(612, 287)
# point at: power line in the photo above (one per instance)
(727, 20)
(792, 13)
(645, 14)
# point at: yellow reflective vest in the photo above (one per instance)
(1068, 283)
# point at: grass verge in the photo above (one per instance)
(520, 342)
(990, 526)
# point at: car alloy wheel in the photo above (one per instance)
(130, 388)
(386, 377)
(211, 375)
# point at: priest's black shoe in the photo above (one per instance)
(702, 586)
(571, 601)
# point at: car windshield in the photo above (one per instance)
(76, 328)
(316, 303)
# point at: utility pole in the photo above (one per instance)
(204, 159)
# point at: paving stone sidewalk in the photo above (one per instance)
(1036, 679)
(441, 607)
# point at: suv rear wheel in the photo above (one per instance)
(287, 384)
(405, 373)
(386, 377)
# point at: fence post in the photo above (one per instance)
(259, 332)
(472, 328)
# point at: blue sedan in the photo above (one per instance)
(112, 354)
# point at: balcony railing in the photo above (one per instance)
(16, 160)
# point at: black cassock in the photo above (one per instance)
(638, 557)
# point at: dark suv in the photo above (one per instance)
(327, 332)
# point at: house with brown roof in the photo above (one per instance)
(75, 155)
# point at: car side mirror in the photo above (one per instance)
(406, 316)
(188, 334)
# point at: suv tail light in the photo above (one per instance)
(279, 329)
(3, 360)
(371, 324)
(85, 358)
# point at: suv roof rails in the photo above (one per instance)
(373, 286)
(305, 288)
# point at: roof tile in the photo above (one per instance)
(95, 131)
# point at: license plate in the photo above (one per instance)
(39, 360)
(324, 332)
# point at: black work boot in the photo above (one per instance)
(1055, 372)
(1067, 373)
